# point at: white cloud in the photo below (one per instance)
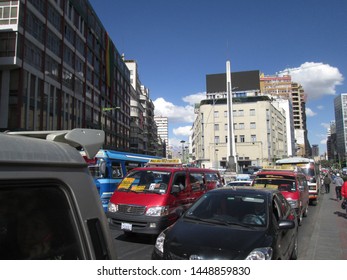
(320, 107)
(182, 130)
(325, 125)
(310, 113)
(317, 79)
(194, 98)
(174, 112)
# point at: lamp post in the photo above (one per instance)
(182, 142)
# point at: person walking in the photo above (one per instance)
(338, 184)
(344, 195)
(327, 181)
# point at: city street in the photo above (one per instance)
(322, 236)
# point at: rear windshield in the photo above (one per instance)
(287, 185)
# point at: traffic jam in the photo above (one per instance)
(176, 204)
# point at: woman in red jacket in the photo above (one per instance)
(344, 190)
(344, 195)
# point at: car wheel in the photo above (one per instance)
(294, 254)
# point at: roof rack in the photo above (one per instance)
(90, 140)
(155, 162)
(284, 167)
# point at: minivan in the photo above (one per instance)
(149, 199)
(291, 181)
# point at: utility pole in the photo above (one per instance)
(231, 146)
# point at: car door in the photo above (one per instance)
(181, 198)
(285, 237)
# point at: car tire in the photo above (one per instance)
(295, 252)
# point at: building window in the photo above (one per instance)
(216, 127)
(216, 139)
(241, 126)
(216, 114)
(252, 112)
(241, 113)
(253, 138)
(242, 138)
(253, 125)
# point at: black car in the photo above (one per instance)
(235, 224)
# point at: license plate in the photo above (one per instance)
(126, 226)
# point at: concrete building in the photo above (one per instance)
(340, 108)
(163, 131)
(59, 69)
(259, 132)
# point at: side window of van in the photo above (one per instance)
(36, 222)
(180, 180)
(197, 182)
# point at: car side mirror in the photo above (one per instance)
(175, 189)
(286, 224)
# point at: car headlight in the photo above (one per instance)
(159, 243)
(111, 207)
(157, 211)
(260, 254)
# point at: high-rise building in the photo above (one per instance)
(60, 70)
(340, 108)
(163, 131)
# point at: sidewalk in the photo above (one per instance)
(329, 235)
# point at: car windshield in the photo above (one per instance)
(286, 185)
(230, 209)
(146, 181)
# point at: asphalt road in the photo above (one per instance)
(140, 247)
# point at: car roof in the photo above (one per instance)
(245, 190)
(174, 169)
(280, 172)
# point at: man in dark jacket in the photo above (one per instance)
(327, 181)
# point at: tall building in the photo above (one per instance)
(260, 132)
(163, 131)
(59, 69)
(340, 108)
(281, 87)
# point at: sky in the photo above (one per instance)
(176, 43)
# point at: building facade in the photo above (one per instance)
(259, 133)
(163, 131)
(59, 69)
(340, 108)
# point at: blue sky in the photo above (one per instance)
(176, 43)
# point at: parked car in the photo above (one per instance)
(49, 206)
(291, 181)
(149, 199)
(234, 224)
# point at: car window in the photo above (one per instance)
(282, 205)
(197, 181)
(145, 181)
(285, 184)
(36, 222)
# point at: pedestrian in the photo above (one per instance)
(338, 184)
(327, 181)
(344, 194)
